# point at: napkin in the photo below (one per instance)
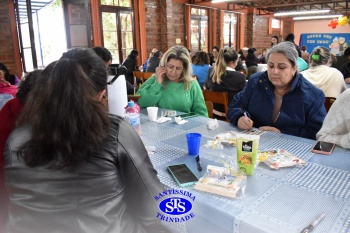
(213, 124)
(163, 119)
(179, 120)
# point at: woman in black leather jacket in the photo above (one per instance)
(71, 167)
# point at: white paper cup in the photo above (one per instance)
(152, 113)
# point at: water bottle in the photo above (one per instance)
(132, 115)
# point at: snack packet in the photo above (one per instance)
(247, 148)
(277, 159)
(219, 180)
(222, 140)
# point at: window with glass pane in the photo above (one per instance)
(275, 23)
(199, 34)
(126, 33)
(110, 34)
(195, 35)
(197, 11)
(124, 3)
(199, 30)
(230, 20)
(204, 35)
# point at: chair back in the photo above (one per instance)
(218, 97)
(134, 98)
(137, 74)
(146, 75)
(328, 102)
(210, 108)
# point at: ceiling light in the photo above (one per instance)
(317, 17)
(300, 12)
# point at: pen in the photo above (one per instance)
(199, 164)
(313, 224)
(245, 114)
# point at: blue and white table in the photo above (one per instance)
(283, 201)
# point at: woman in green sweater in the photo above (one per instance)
(172, 86)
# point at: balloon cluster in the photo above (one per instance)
(342, 21)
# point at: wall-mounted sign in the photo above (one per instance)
(335, 42)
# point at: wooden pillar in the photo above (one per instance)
(221, 23)
(16, 52)
(188, 28)
(270, 26)
(96, 23)
(241, 31)
(140, 26)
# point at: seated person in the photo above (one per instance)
(346, 72)
(251, 59)
(153, 62)
(262, 56)
(131, 64)
(225, 78)
(239, 66)
(214, 55)
(328, 79)
(304, 54)
(336, 125)
(145, 65)
(8, 117)
(5, 74)
(260, 104)
(200, 66)
(7, 88)
(72, 167)
(106, 56)
(172, 86)
(342, 60)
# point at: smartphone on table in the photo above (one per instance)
(325, 148)
(182, 175)
(187, 115)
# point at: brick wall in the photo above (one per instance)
(165, 22)
(261, 37)
(6, 41)
(257, 32)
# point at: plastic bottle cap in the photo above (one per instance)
(131, 104)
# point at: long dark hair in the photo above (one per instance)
(27, 84)
(67, 120)
(8, 77)
(201, 58)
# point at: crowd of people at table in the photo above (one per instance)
(75, 168)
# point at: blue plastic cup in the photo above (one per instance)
(193, 143)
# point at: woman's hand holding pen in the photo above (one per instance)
(160, 73)
(245, 122)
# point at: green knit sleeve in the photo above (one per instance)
(150, 93)
(198, 104)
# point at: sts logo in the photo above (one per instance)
(177, 207)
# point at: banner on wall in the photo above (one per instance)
(335, 42)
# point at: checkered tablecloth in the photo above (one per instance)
(275, 201)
